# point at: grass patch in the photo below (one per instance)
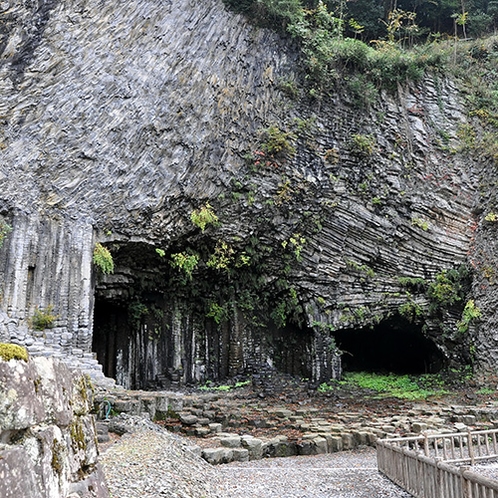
(408, 387)
(208, 386)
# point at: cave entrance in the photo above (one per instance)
(393, 346)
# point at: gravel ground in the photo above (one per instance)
(351, 474)
(151, 463)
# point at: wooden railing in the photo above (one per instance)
(427, 466)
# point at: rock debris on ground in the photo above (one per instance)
(151, 462)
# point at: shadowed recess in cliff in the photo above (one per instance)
(153, 327)
(394, 345)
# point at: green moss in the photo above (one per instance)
(57, 456)
(13, 352)
(77, 435)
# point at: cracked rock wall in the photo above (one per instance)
(47, 436)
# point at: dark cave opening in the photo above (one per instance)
(393, 346)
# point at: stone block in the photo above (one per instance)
(320, 444)
(231, 442)
(334, 443)
(283, 413)
(18, 475)
(188, 419)
(131, 406)
(215, 428)
(469, 419)
(162, 403)
(254, 445)
(419, 427)
(360, 438)
(306, 448)
(20, 405)
(213, 456)
(240, 455)
(149, 405)
(202, 431)
(347, 441)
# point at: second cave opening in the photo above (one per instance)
(393, 346)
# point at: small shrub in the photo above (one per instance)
(203, 217)
(185, 262)
(277, 143)
(218, 313)
(492, 217)
(13, 352)
(446, 288)
(411, 311)
(362, 145)
(420, 223)
(5, 228)
(43, 318)
(102, 258)
(470, 313)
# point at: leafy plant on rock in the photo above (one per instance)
(43, 318)
(102, 258)
(5, 228)
(185, 262)
(203, 217)
(470, 313)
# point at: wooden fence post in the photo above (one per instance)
(465, 483)
(471, 447)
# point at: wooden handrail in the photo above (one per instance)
(428, 474)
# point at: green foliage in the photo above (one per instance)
(208, 386)
(102, 258)
(277, 143)
(447, 288)
(137, 310)
(420, 223)
(43, 318)
(417, 284)
(219, 313)
(161, 252)
(185, 262)
(225, 258)
(286, 308)
(5, 228)
(365, 269)
(13, 352)
(296, 242)
(470, 313)
(362, 145)
(203, 217)
(411, 310)
(492, 217)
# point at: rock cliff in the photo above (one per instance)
(47, 437)
(250, 224)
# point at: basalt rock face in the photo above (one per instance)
(47, 436)
(128, 122)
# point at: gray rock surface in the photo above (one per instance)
(47, 437)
